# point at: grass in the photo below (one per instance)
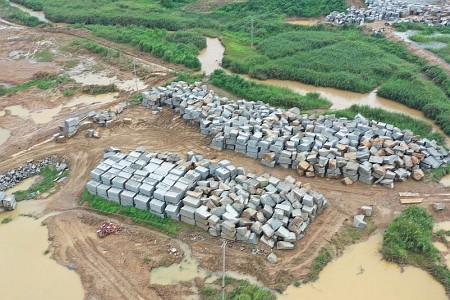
(401, 121)
(437, 174)
(6, 220)
(138, 216)
(409, 240)
(188, 77)
(147, 259)
(48, 175)
(325, 256)
(68, 92)
(349, 234)
(44, 56)
(99, 89)
(276, 96)
(46, 82)
(136, 99)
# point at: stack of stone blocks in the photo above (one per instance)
(216, 196)
(326, 146)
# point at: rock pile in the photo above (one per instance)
(394, 11)
(214, 195)
(325, 146)
(12, 177)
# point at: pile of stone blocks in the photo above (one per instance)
(73, 124)
(357, 150)
(393, 11)
(216, 196)
(32, 167)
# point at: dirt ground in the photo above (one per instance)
(115, 267)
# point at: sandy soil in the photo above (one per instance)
(114, 267)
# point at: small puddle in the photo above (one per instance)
(211, 56)
(442, 226)
(88, 78)
(4, 135)
(187, 270)
(361, 272)
(38, 14)
(23, 185)
(44, 116)
(303, 22)
(25, 272)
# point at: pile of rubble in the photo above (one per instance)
(12, 177)
(393, 11)
(71, 125)
(325, 146)
(213, 195)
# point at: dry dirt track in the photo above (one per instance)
(110, 275)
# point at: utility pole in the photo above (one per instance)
(251, 39)
(135, 75)
(224, 247)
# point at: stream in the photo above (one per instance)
(38, 14)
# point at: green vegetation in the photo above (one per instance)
(399, 120)
(16, 15)
(94, 89)
(46, 183)
(136, 99)
(147, 259)
(437, 174)
(44, 83)
(68, 92)
(44, 56)
(209, 292)
(6, 220)
(408, 240)
(137, 215)
(246, 290)
(325, 256)
(349, 234)
(277, 96)
(179, 48)
(188, 77)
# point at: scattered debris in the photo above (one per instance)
(366, 210)
(439, 206)
(358, 221)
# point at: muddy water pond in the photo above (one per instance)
(211, 56)
(24, 269)
(38, 14)
(360, 273)
(88, 78)
(24, 184)
(44, 116)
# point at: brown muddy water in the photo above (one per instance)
(44, 116)
(211, 56)
(88, 78)
(38, 14)
(25, 272)
(24, 184)
(303, 22)
(360, 273)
